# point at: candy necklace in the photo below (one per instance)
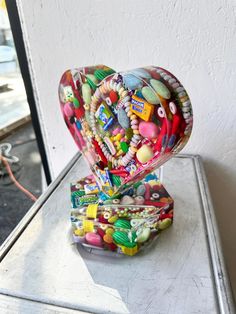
(124, 103)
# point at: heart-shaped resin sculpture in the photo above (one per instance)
(126, 124)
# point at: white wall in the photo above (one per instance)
(195, 40)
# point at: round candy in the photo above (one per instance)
(139, 200)
(141, 190)
(122, 223)
(93, 239)
(160, 88)
(165, 223)
(122, 238)
(148, 129)
(144, 154)
(113, 96)
(127, 200)
(150, 96)
(143, 235)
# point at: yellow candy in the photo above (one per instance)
(118, 137)
(88, 226)
(109, 230)
(144, 154)
(79, 232)
(108, 238)
(129, 251)
(112, 220)
(91, 211)
(141, 108)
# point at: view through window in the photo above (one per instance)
(18, 145)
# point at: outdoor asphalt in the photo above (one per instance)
(13, 203)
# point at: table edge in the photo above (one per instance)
(221, 278)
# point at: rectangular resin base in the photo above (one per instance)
(124, 223)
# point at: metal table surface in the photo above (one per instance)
(41, 271)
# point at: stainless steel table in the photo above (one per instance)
(41, 271)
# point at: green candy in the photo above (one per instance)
(122, 223)
(122, 238)
(124, 147)
(76, 102)
(160, 88)
(92, 81)
(164, 224)
(150, 96)
(86, 93)
(101, 74)
(116, 180)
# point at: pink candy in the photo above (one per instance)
(148, 129)
(68, 111)
(93, 239)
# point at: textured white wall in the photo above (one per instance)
(195, 40)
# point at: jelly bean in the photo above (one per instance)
(113, 219)
(160, 88)
(115, 131)
(165, 223)
(124, 146)
(86, 93)
(108, 238)
(101, 232)
(93, 239)
(144, 154)
(110, 231)
(150, 96)
(143, 235)
(113, 96)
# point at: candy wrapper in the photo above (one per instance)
(123, 224)
(126, 124)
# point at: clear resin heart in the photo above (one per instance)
(126, 124)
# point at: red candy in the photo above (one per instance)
(113, 96)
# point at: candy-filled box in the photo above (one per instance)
(125, 223)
